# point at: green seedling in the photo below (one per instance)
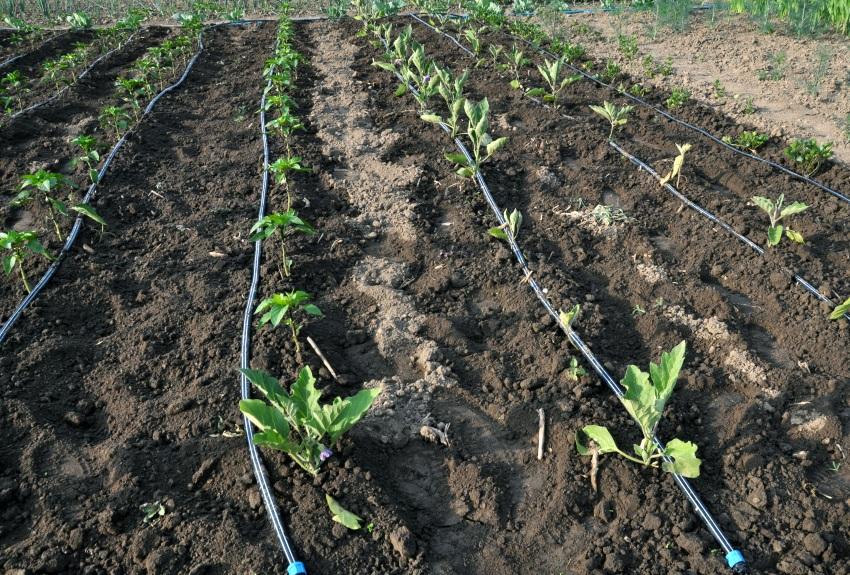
(610, 71)
(646, 395)
(282, 223)
(342, 515)
(749, 107)
(639, 90)
(809, 154)
(421, 72)
(90, 155)
(747, 140)
(719, 90)
(473, 40)
(284, 125)
(296, 423)
(574, 370)
(133, 90)
(570, 52)
(840, 310)
(496, 52)
(568, 318)
(637, 310)
(483, 145)
(281, 168)
(115, 119)
(648, 64)
(78, 20)
(628, 46)
(47, 185)
(616, 115)
(666, 68)
(510, 228)
(14, 87)
(678, 163)
(516, 61)
(283, 308)
(776, 211)
(451, 90)
(20, 244)
(552, 72)
(677, 98)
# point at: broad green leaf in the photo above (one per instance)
(304, 394)
(457, 158)
(765, 204)
(774, 234)
(268, 385)
(94, 175)
(89, 212)
(9, 263)
(401, 90)
(602, 437)
(536, 92)
(353, 409)
(58, 205)
(580, 447)
(792, 209)
(568, 317)
(35, 247)
(273, 439)
(794, 236)
(312, 309)
(840, 310)
(664, 375)
(264, 416)
(432, 118)
(515, 84)
(639, 399)
(465, 172)
(389, 66)
(342, 515)
(498, 233)
(494, 146)
(684, 455)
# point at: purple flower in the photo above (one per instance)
(426, 79)
(325, 454)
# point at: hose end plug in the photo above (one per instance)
(735, 560)
(296, 568)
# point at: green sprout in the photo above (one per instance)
(646, 395)
(483, 144)
(840, 310)
(90, 156)
(296, 423)
(616, 115)
(450, 89)
(281, 167)
(628, 46)
(678, 97)
(552, 72)
(79, 20)
(747, 140)
(114, 118)
(20, 244)
(809, 154)
(510, 228)
(281, 222)
(342, 515)
(776, 211)
(516, 61)
(281, 308)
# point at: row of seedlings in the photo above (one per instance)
(554, 78)
(291, 418)
(66, 69)
(53, 193)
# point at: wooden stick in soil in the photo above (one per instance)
(322, 357)
(541, 433)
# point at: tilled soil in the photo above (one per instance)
(138, 403)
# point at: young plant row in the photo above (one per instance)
(53, 193)
(293, 419)
(440, 95)
(65, 69)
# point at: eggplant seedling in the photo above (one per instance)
(777, 212)
(809, 154)
(616, 116)
(281, 222)
(281, 308)
(645, 398)
(552, 72)
(483, 144)
(747, 140)
(516, 61)
(840, 310)
(678, 163)
(450, 89)
(511, 226)
(90, 155)
(296, 423)
(20, 244)
(677, 98)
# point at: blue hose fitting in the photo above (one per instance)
(735, 560)
(296, 568)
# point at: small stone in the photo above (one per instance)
(651, 522)
(403, 542)
(254, 499)
(814, 544)
(458, 280)
(690, 543)
(74, 418)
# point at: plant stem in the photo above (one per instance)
(23, 275)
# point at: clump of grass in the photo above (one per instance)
(819, 72)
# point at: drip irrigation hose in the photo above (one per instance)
(734, 558)
(575, 11)
(82, 75)
(294, 567)
(78, 223)
(702, 211)
(13, 59)
(664, 113)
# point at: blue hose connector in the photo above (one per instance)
(298, 568)
(735, 560)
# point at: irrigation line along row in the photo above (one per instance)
(82, 75)
(294, 567)
(13, 59)
(664, 113)
(757, 248)
(699, 209)
(734, 558)
(78, 222)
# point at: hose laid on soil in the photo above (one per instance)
(664, 113)
(8, 61)
(78, 223)
(734, 558)
(694, 206)
(82, 75)
(575, 11)
(295, 567)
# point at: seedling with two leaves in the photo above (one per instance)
(646, 395)
(776, 211)
(342, 515)
(552, 72)
(483, 146)
(20, 244)
(616, 115)
(516, 61)
(284, 308)
(282, 223)
(296, 423)
(90, 155)
(510, 228)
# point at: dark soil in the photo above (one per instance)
(133, 349)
